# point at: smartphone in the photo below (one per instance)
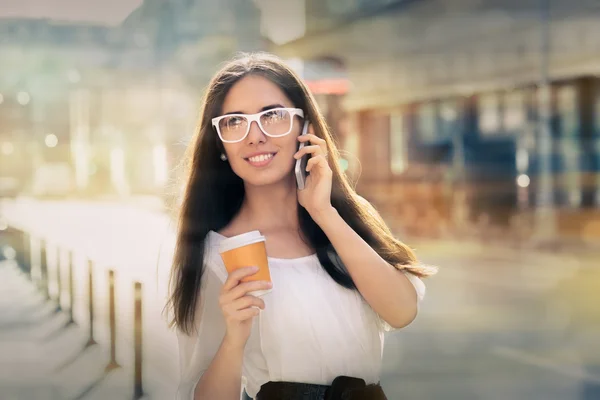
(300, 168)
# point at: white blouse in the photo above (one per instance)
(311, 330)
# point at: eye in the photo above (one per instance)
(233, 122)
(274, 116)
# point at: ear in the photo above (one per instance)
(220, 146)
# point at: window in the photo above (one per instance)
(449, 118)
(489, 115)
(566, 107)
(427, 122)
(514, 111)
(569, 146)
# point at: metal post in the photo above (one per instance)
(44, 269)
(27, 254)
(58, 280)
(91, 340)
(112, 364)
(71, 289)
(19, 243)
(138, 391)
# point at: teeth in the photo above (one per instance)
(261, 158)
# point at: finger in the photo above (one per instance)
(313, 149)
(248, 301)
(236, 276)
(230, 310)
(311, 137)
(246, 314)
(245, 287)
(318, 161)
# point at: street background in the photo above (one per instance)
(472, 126)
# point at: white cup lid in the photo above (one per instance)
(240, 240)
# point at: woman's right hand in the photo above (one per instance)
(239, 307)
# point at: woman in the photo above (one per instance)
(340, 279)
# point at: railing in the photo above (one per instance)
(36, 269)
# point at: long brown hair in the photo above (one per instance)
(214, 194)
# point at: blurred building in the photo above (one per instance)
(466, 113)
(110, 109)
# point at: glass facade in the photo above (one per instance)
(568, 147)
(490, 123)
(427, 123)
(515, 112)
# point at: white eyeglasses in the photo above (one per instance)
(275, 122)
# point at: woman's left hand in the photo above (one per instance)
(316, 195)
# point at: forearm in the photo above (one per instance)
(223, 378)
(387, 290)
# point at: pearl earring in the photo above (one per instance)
(223, 157)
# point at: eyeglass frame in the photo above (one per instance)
(256, 117)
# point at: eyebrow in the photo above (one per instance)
(265, 108)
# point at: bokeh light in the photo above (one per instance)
(51, 140)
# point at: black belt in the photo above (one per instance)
(342, 388)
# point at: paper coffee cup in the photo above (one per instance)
(247, 250)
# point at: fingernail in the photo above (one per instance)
(270, 284)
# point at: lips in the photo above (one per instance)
(260, 160)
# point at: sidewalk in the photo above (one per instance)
(28, 339)
(44, 357)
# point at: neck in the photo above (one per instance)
(271, 207)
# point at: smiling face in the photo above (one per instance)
(260, 159)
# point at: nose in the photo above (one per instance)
(256, 135)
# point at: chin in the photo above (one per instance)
(264, 182)
(266, 178)
(271, 175)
